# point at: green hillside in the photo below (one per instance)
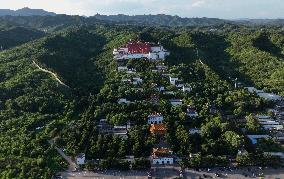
(13, 36)
(35, 107)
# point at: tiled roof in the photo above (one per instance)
(157, 128)
(139, 47)
(161, 152)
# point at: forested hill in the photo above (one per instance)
(162, 20)
(35, 108)
(38, 18)
(25, 12)
(13, 36)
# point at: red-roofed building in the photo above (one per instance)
(138, 47)
(136, 50)
(158, 129)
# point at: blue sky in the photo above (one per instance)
(228, 9)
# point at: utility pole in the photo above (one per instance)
(197, 53)
(236, 83)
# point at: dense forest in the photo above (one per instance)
(14, 36)
(35, 108)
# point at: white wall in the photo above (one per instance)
(176, 103)
(81, 161)
(163, 160)
(155, 120)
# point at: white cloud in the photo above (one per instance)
(198, 3)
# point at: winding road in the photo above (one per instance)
(50, 72)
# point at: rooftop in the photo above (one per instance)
(161, 152)
(157, 128)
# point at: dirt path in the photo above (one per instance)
(53, 74)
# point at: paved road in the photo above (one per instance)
(72, 165)
(50, 72)
(172, 172)
(105, 175)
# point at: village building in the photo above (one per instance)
(186, 89)
(121, 131)
(137, 81)
(123, 101)
(191, 111)
(137, 50)
(262, 94)
(155, 119)
(80, 159)
(122, 68)
(158, 129)
(262, 118)
(160, 88)
(268, 123)
(254, 138)
(242, 151)
(166, 75)
(275, 154)
(173, 80)
(131, 71)
(104, 125)
(176, 102)
(161, 67)
(126, 81)
(193, 131)
(162, 156)
(154, 99)
(168, 92)
(180, 85)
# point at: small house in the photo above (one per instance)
(162, 156)
(137, 80)
(191, 111)
(155, 119)
(254, 138)
(123, 101)
(80, 159)
(186, 89)
(122, 68)
(168, 92)
(176, 102)
(194, 131)
(173, 80)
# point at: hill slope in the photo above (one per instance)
(34, 106)
(25, 12)
(14, 36)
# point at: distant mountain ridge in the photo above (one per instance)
(162, 19)
(23, 16)
(26, 12)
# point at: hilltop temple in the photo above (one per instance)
(136, 50)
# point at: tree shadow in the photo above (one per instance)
(212, 50)
(263, 43)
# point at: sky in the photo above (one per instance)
(225, 9)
